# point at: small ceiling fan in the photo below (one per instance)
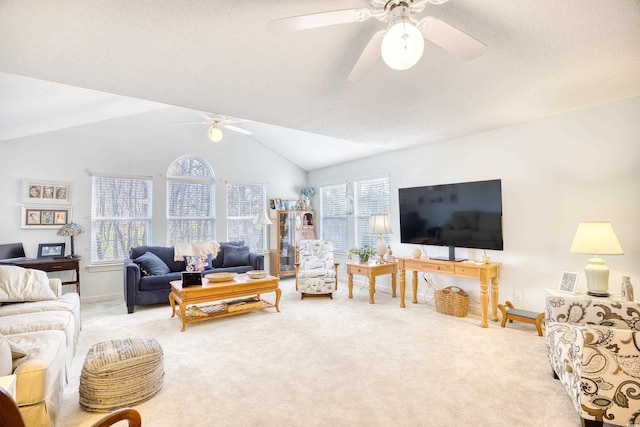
(215, 122)
(401, 44)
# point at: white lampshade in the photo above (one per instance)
(215, 134)
(596, 238)
(403, 43)
(262, 219)
(379, 224)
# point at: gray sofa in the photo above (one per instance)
(142, 288)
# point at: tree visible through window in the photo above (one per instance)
(190, 201)
(120, 216)
(244, 202)
(333, 220)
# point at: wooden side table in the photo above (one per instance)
(372, 271)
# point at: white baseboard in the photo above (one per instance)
(100, 298)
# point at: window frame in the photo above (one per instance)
(147, 231)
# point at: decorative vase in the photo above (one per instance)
(417, 253)
(308, 200)
(627, 289)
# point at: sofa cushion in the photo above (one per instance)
(155, 283)
(165, 253)
(235, 256)
(41, 375)
(218, 260)
(151, 264)
(197, 262)
(19, 284)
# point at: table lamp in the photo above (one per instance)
(71, 229)
(380, 224)
(596, 238)
(262, 219)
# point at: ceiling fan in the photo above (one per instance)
(401, 43)
(215, 122)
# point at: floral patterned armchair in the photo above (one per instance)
(316, 273)
(593, 345)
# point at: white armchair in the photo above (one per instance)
(316, 273)
(593, 345)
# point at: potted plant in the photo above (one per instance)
(363, 253)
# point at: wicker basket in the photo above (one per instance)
(452, 301)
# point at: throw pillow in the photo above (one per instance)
(235, 256)
(151, 264)
(197, 263)
(218, 261)
(19, 284)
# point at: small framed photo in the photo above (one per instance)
(35, 191)
(568, 282)
(45, 217)
(272, 204)
(278, 203)
(51, 250)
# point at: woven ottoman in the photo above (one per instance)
(120, 373)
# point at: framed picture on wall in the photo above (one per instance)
(45, 217)
(36, 191)
(568, 282)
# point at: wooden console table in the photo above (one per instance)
(51, 265)
(481, 272)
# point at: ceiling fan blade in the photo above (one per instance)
(321, 19)
(368, 58)
(237, 129)
(451, 38)
(204, 116)
(232, 120)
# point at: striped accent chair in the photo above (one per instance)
(316, 273)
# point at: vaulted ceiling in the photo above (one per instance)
(543, 58)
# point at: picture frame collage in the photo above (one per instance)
(56, 195)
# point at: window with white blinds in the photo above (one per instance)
(333, 216)
(190, 201)
(120, 216)
(371, 196)
(244, 203)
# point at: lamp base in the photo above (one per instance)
(598, 294)
(597, 277)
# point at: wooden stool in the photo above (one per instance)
(509, 313)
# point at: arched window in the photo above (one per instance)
(190, 201)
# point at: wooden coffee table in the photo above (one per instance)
(240, 286)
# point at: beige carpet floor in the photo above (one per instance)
(340, 362)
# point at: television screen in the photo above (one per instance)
(465, 215)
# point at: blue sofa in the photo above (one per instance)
(146, 289)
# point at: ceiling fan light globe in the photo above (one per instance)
(215, 134)
(402, 45)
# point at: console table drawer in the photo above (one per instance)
(467, 271)
(440, 268)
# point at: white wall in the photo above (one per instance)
(143, 144)
(556, 172)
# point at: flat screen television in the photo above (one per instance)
(464, 215)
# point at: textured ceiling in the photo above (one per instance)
(543, 58)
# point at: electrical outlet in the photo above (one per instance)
(517, 295)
